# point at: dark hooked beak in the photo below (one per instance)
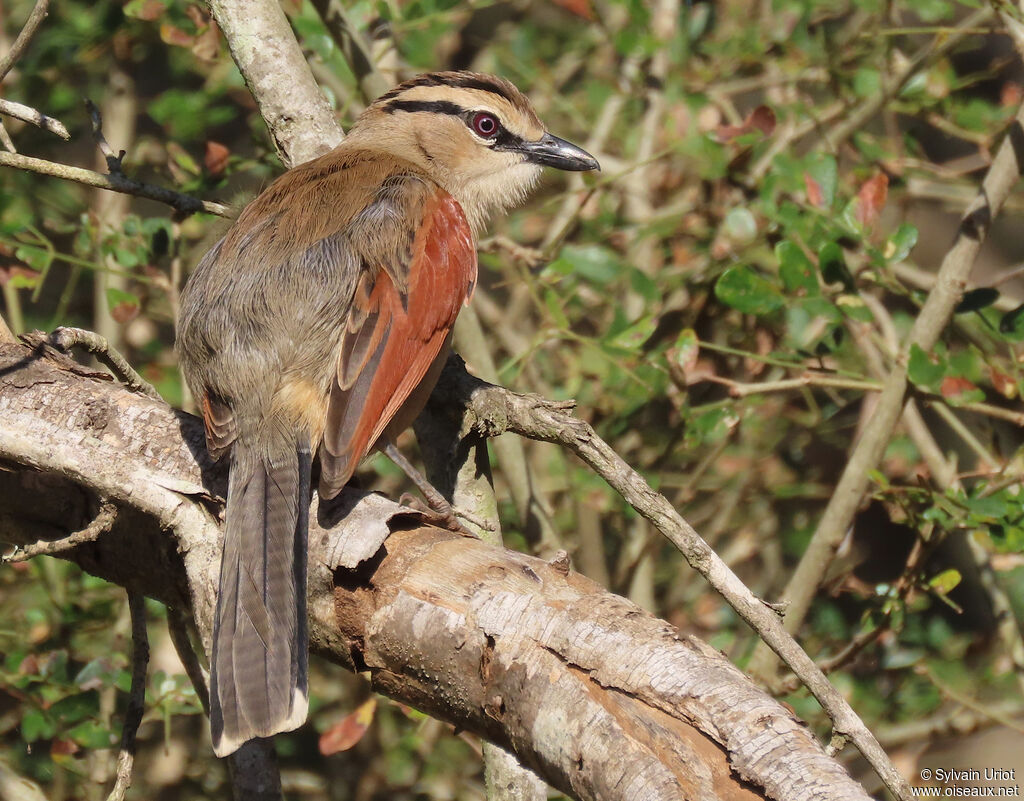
(554, 152)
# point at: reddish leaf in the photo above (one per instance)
(124, 312)
(763, 119)
(207, 44)
(150, 10)
(581, 8)
(1011, 94)
(953, 385)
(814, 194)
(169, 34)
(216, 157)
(61, 747)
(11, 270)
(349, 730)
(1003, 384)
(198, 17)
(760, 119)
(29, 665)
(871, 199)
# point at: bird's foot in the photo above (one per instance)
(436, 510)
(443, 517)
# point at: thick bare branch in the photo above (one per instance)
(492, 410)
(263, 46)
(595, 695)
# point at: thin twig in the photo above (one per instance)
(177, 627)
(492, 410)
(136, 696)
(27, 32)
(98, 526)
(186, 204)
(6, 141)
(67, 338)
(33, 116)
(114, 162)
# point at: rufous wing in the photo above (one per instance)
(400, 320)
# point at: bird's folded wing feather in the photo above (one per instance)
(401, 316)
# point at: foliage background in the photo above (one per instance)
(780, 181)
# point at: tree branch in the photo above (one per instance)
(491, 410)
(114, 182)
(35, 19)
(34, 117)
(298, 116)
(593, 694)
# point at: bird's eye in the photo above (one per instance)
(485, 125)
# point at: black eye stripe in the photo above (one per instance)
(434, 106)
(503, 140)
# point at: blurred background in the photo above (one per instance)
(780, 182)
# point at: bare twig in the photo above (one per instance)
(934, 316)
(114, 162)
(98, 526)
(136, 696)
(67, 338)
(116, 183)
(177, 627)
(6, 141)
(21, 43)
(492, 410)
(33, 116)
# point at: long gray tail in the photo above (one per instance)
(258, 681)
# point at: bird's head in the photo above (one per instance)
(476, 135)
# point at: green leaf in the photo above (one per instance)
(922, 371)
(855, 308)
(118, 296)
(1012, 323)
(35, 257)
(977, 299)
(945, 582)
(833, 267)
(901, 243)
(634, 336)
(867, 82)
(711, 426)
(744, 289)
(644, 286)
(36, 726)
(795, 269)
(592, 262)
(554, 306)
(75, 707)
(825, 173)
(91, 734)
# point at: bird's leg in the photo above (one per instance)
(439, 511)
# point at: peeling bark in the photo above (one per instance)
(601, 699)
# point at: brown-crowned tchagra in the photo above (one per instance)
(318, 325)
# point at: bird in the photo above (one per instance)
(316, 327)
